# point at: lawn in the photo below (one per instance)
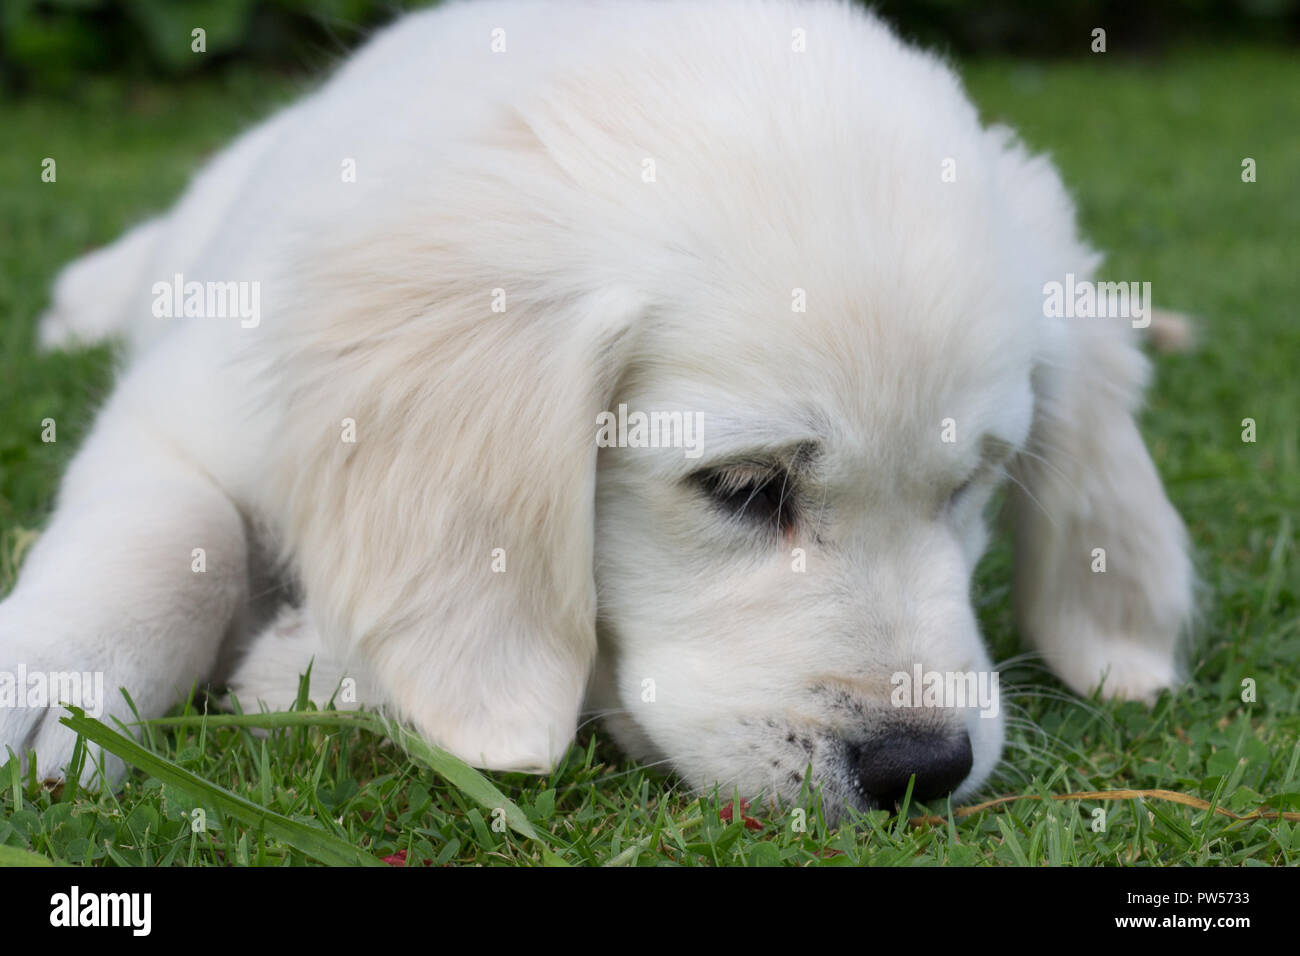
(1153, 153)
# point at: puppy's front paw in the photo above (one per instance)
(39, 673)
(1124, 669)
(36, 729)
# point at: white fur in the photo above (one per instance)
(523, 171)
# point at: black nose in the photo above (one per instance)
(885, 764)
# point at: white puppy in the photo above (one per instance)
(499, 221)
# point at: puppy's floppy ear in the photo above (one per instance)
(1104, 582)
(446, 547)
(1103, 577)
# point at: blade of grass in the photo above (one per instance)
(16, 856)
(310, 840)
(451, 768)
(16, 778)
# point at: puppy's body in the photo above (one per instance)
(734, 209)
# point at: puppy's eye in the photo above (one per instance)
(960, 493)
(763, 496)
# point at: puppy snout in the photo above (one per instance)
(884, 765)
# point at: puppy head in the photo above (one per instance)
(854, 335)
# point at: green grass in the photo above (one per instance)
(1153, 154)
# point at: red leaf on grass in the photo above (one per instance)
(399, 859)
(750, 823)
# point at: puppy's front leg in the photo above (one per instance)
(138, 576)
(1103, 578)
